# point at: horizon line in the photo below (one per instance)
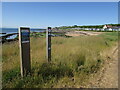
(61, 26)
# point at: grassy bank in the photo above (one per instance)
(74, 59)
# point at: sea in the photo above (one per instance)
(15, 30)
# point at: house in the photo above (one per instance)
(116, 28)
(107, 27)
(111, 28)
(93, 29)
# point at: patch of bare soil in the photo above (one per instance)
(79, 33)
(108, 76)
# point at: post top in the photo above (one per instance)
(49, 27)
(24, 28)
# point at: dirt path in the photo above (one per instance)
(108, 76)
(79, 33)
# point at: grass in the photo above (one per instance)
(73, 61)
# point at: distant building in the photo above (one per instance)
(107, 27)
(111, 28)
(116, 28)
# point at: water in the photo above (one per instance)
(15, 30)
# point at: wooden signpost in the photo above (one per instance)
(24, 43)
(48, 44)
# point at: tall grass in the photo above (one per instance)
(73, 60)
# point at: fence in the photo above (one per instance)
(24, 43)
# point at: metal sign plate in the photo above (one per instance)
(25, 36)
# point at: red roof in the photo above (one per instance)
(109, 26)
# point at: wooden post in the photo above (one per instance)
(24, 43)
(48, 44)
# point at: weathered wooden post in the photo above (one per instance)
(48, 44)
(24, 43)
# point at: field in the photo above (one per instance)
(74, 61)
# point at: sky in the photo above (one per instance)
(45, 14)
(60, 0)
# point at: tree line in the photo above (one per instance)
(85, 26)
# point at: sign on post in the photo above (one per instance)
(24, 43)
(48, 44)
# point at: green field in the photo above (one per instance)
(74, 60)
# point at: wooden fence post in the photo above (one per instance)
(48, 44)
(24, 43)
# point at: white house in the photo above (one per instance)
(107, 27)
(111, 28)
(116, 28)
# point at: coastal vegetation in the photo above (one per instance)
(85, 26)
(74, 60)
